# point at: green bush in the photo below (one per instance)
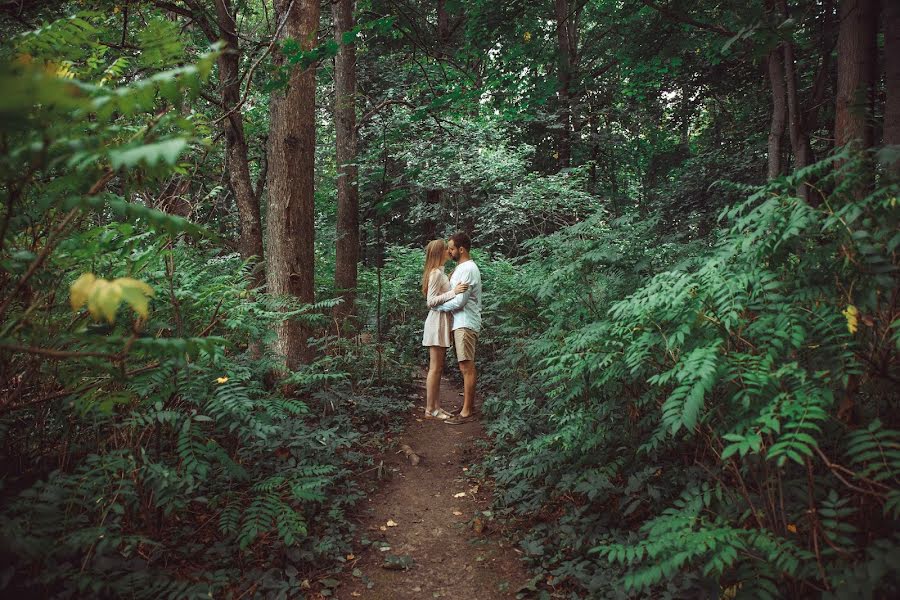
(712, 418)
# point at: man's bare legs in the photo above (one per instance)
(433, 381)
(470, 374)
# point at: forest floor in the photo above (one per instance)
(424, 532)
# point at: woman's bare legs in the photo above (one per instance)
(437, 355)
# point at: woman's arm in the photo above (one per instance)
(435, 298)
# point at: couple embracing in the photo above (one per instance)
(454, 320)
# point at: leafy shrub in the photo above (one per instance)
(724, 424)
(148, 450)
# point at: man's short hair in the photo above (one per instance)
(461, 240)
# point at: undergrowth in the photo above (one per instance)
(707, 419)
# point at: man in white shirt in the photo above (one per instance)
(466, 311)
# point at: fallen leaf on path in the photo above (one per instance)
(457, 513)
(350, 557)
(478, 525)
(390, 523)
(355, 594)
(383, 528)
(460, 495)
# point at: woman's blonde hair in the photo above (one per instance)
(434, 256)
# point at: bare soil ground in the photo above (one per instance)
(424, 533)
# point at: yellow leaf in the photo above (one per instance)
(792, 528)
(221, 379)
(852, 315)
(136, 293)
(80, 290)
(527, 36)
(104, 300)
(103, 297)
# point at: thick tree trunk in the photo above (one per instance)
(855, 73)
(892, 77)
(347, 258)
(290, 227)
(250, 243)
(779, 110)
(565, 35)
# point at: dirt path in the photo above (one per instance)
(427, 523)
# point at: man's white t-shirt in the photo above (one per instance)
(465, 307)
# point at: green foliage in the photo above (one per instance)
(163, 452)
(721, 424)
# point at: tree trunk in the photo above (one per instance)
(856, 73)
(290, 231)
(443, 27)
(250, 243)
(565, 32)
(347, 241)
(799, 137)
(779, 110)
(892, 78)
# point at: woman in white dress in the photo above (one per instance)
(437, 335)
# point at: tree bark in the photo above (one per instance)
(892, 78)
(443, 27)
(855, 73)
(799, 137)
(779, 110)
(565, 36)
(250, 243)
(290, 231)
(347, 241)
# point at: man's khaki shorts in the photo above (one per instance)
(465, 340)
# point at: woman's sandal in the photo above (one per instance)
(458, 420)
(438, 414)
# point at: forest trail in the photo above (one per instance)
(427, 524)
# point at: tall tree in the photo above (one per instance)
(566, 33)
(345, 271)
(855, 72)
(251, 238)
(225, 28)
(775, 65)
(892, 77)
(290, 232)
(796, 127)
